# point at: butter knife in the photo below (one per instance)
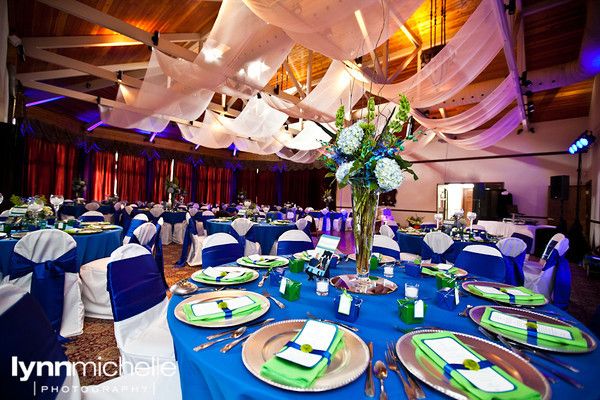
(369, 385)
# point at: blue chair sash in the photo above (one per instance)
(427, 253)
(561, 293)
(336, 215)
(288, 247)
(527, 239)
(117, 216)
(47, 281)
(386, 251)
(482, 265)
(133, 225)
(307, 228)
(134, 285)
(240, 238)
(28, 335)
(222, 254)
(514, 269)
(91, 218)
(190, 231)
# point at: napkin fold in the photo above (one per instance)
(291, 374)
(264, 262)
(223, 276)
(221, 309)
(540, 333)
(470, 371)
(516, 294)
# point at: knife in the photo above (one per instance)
(253, 323)
(369, 386)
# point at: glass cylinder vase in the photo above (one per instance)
(364, 211)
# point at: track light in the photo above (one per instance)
(529, 107)
(582, 143)
(524, 81)
(120, 76)
(358, 61)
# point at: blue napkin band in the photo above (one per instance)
(227, 311)
(323, 353)
(448, 368)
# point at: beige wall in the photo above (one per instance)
(527, 178)
(594, 162)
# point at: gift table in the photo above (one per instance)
(209, 374)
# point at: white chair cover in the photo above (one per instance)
(208, 212)
(386, 231)
(439, 242)
(166, 233)
(242, 226)
(229, 246)
(511, 247)
(382, 243)
(144, 337)
(194, 256)
(93, 206)
(47, 245)
(540, 280)
(301, 223)
(294, 235)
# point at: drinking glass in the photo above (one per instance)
(322, 287)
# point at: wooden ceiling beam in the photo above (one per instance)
(309, 69)
(290, 73)
(64, 42)
(543, 6)
(71, 73)
(405, 64)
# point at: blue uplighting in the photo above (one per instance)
(582, 143)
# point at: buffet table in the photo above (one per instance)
(263, 233)
(412, 243)
(209, 374)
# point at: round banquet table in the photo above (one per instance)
(413, 244)
(263, 233)
(208, 374)
(77, 209)
(89, 247)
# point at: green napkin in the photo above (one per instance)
(291, 374)
(264, 262)
(528, 298)
(242, 278)
(544, 339)
(517, 390)
(191, 316)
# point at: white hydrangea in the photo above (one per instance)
(350, 138)
(388, 174)
(343, 170)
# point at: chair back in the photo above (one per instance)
(513, 251)
(526, 236)
(293, 241)
(91, 216)
(208, 213)
(142, 235)
(28, 336)
(44, 263)
(241, 226)
(301, 224)
(193, 211)
(220, 248)
(93, 206)
(555, 278)
(435, 244)
(136, 289)
(554, 240)
(136, 222)
(386, 245)
(385, 230)
(484, 261)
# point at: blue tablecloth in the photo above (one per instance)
(413, 244)
(77, 209)
(208, 374)
(89, 247)
(263, 233)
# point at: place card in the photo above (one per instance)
(212, 307)
(345, 303)
(283, 285)
(520, 323)
(315, 335)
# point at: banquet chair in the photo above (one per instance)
(335, 221)
(553, 280)
(135, 223)
(385, 230)
(513, 251)
(179, 227)
(4, 215)
(220, 248)
(322, 221)
(290, 215)
(191, 250)
(166, 234)
(434, 245)
(533, 267)
(343, 223)
(526, 236)
(305, 224)
(94, 294)
(139, 305)
(386, 246)
(92, 206)
(239, 229)
(44, 263)
(301, 224)
(481, 260)
(293, 241)
(392, 224)
(92, 216)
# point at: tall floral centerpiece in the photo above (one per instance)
(370, 162)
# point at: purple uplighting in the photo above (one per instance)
(94, 126)
(36, 103)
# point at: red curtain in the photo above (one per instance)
(266, 187)
(218, 185)
(246, 181)
(202, 184)
(102, 175)
(183, 173)
(131, 177)
(296, 186)
(51, 167)
(161, 171)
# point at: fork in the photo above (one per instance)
(391, 362)
(415, 384)
(268, 296)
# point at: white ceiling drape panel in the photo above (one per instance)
(256, 121)
(309, 137)
(210, 133)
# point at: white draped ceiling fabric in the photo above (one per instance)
(251, 38)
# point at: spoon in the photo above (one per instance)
(236, 334)
(381, 373)
(465, 312)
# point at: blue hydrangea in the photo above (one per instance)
(388, 174)
(343, 171)
(350, 138)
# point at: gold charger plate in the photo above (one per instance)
(95, 223)
(243, 263)
(222, 295)
(18, 235)
(378, 285)
(87, 231)
(109, 227)
(424, 369)
(348, 364)
(477, 312)
(467, 286)
(280, 222)
(383, 259)
(196, 276)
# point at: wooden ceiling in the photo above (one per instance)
(552, 37)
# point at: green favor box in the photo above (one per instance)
(296, 265)
(443, 280)
(289, 289)
(408, 313)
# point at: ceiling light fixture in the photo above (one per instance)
(582, 143)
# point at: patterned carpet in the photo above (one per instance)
(97, 343)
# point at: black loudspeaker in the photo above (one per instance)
(559, 187)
